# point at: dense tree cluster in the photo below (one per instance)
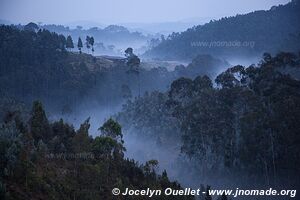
(245, 126)
(37, 65)
(243, 35)
(52, 160)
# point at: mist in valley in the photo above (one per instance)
(212, 116)
(106, 100)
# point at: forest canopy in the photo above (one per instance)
(244, 124)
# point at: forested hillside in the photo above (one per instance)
(242, 127)
(275, 30)
(36, 64)
(52, 160)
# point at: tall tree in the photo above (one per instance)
(69, 43)
(81, 139)
(39, 125)
(112, 129)
(133, 62)
(79, 44)
(87, 42)
(92, 41)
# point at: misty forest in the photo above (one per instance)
(84, 110)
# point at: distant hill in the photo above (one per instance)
(165, 28)
(277, 29)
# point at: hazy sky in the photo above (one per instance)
(124, 11)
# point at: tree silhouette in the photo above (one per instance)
(87, 42)
(39, 124)
(79, 45)
(133, 62)
(92, 41)
(69, 43)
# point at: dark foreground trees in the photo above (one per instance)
(46, 160)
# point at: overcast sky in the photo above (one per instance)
(125, 11)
